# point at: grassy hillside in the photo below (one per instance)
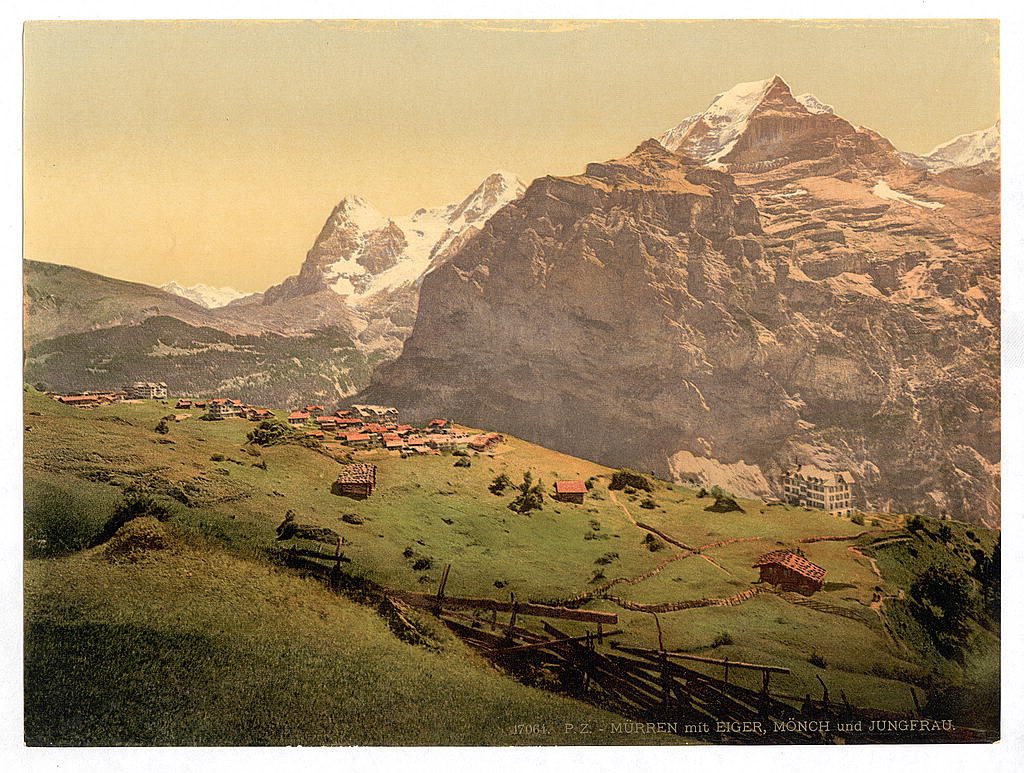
(427, 513)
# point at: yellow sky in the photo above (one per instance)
(213, 151)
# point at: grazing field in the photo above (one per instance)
(255, 632)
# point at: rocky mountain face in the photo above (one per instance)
(768, 285)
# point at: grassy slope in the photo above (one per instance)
(196, 647)
(446, 513)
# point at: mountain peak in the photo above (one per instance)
(204, 295)
(711, 135)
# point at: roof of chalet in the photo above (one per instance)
(570, 487)
(298, 415)
(358, 473)
(350, 436)
(791, 561)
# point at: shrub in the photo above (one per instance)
(629, 490)
(460, 452)
(606, 559)
(352, 518)
(408, 553)
(653, 543)
(589, 483)
(272, 432)
(161, 427)
(500, 584)
(217, 457)
(499, 484)
(131, 505)
(629, 478)
(597, 576)
(648, 504)
(723, 639)
(817, 660)
(875, 522)
(945, 533)
(422, 564)
(462, 462)
(915, 524)
(720, 493)
(261, 464)
(530, 497)
(858, 519)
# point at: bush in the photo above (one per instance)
(720, 493)
(217, 458)
(945, 533)
(723, 639)
(589, 483)
(648, 504)
(875, 522)
(606, 559)
(408, 553)
(161, 427)
(624, 478)
(943, 601)
(858, 519)
(422, 564)
(653, 543)
(817, 660)
(131, 505)
(629, 490)
(915, 524)
(499, 484)
(460, 452)
(272, 432)
(352, 518)
(261, 464)
(462, 462)
(530, 497)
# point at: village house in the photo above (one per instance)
(790, 571)
(327, 422)
(183, 403)
(314, 410)
(394, 443)
(485, 442)
(343, 414)
(225, 408)
(298, 418)
(315, 433)
(354, 438)
(349, 424)
(438, 425)
(147, 390)
(380, 413)
(570, 491)
(809, 486)
(356, 481)
(86, 400)
(259, 414)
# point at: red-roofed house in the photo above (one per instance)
(570, 491)
(792, 572)
(298, 418)
(354, 438)
(314, 410)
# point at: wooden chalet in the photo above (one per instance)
(790, 571)
(314, 410)
(356, 481)
(570, 491)
(354, 438)
(298, 418)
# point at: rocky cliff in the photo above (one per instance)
(777, 286)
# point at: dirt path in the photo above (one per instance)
(678, 606)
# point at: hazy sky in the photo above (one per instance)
(213, 151)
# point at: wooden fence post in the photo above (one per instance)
(726, 670)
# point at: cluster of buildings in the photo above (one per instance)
(809, 486)
(140, 390)
(378, 427)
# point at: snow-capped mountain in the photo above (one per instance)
(761, 122)
(361, 252)
(204, 295)
(967, 150)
